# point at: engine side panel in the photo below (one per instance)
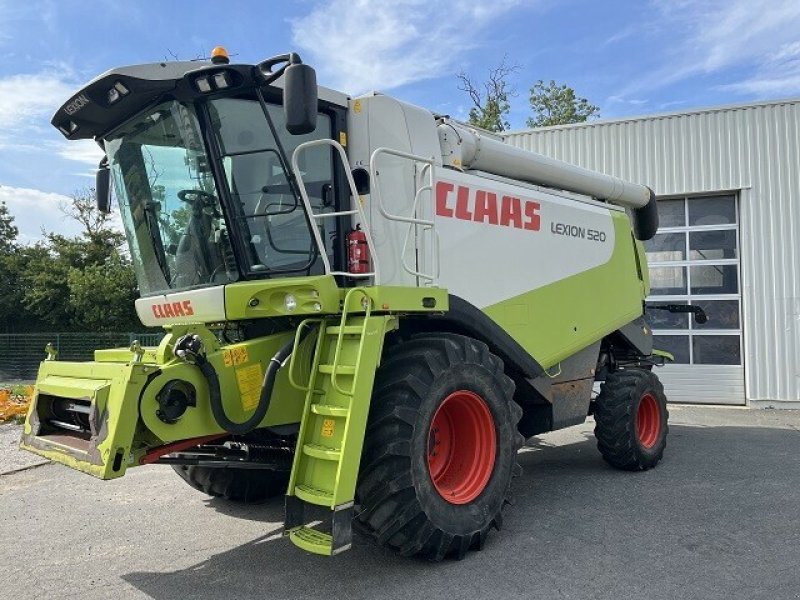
(557, 274)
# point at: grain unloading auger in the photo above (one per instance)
(367, 307)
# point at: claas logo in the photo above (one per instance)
(481, 206)
(173, 309)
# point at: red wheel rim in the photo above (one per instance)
(461, 447)
(648, 421)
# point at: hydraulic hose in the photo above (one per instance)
(192, 346)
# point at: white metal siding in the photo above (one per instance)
(755, 149)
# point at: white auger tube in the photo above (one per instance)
(466, 148)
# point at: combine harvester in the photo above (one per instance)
(367, 307)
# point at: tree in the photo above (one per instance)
(555, 104)
(84, 281)
(490, 106)
(103, 295)
(11, 296)
(8, 231)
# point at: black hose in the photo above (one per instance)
(215, 396)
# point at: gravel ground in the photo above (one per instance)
(719, 518)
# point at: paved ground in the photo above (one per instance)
(719, 518)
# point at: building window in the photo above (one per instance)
(694, 259)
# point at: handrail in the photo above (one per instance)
(313, 217)
(315, 358)
(340, 339)
(413, 222)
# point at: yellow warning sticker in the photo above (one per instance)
(357, 106)
(328, 426)
(343, 138)
(249, 381)
(235, 355)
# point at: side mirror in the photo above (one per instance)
(102, 188)
(300, 98)
(299, 90)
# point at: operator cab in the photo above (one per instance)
(199, 155)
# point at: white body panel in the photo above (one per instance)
(378, 121)
(531, 240)
(192, 306)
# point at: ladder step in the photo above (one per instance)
(327, 410)
(312, 540)
(313, 495)
(322, 452)
(340, 370)
(346, 330)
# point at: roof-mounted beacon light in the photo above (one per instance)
(219, 56)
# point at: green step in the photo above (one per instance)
(331, 436)
(312, 540)
(326, 410)
(321, 452)
(346, 330)
(340, 369)
(313, 495)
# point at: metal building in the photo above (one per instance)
(728, 182)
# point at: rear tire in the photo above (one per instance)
(237, 485)
(440, 448)
(631, 420)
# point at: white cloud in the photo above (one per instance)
(358, 45)
(34, 210)
(716, 37)
(779, 74)
(83, 151)
(29, 99)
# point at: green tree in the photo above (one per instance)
(555, 104)
(84, 281)
(101, 296)
(8, 231)
(492, 104)
(10, 289)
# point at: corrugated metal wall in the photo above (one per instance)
(755, 149)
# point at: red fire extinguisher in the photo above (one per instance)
(357, 252)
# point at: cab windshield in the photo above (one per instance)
(171, 205)
(169, 202)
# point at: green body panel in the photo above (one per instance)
(149, 355)
(557, 320)
(111, 391)
(265, 298)
(240, 368)
(320, 296)
(123, 398)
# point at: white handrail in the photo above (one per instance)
(314, 216)
(411, 220)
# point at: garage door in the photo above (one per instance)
(694, 259)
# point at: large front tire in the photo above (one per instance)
(631, 420)
(249, 486)
(440, 449)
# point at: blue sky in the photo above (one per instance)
(628, 57)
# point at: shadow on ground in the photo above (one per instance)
(719, 518)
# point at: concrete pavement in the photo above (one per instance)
(718, 518)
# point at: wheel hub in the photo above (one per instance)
(648, 421)
(462, 445)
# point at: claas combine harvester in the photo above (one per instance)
(367, 307)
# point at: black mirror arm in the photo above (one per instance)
(265, 68)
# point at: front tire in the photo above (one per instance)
(249, 486)
(631, 420)
(440, 449)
